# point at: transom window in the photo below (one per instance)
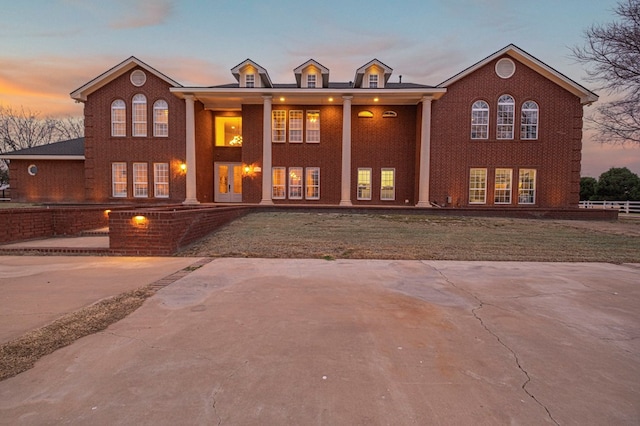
(278, 125)
(529, 120)
(139, 115)
(364, 184)
(278, 183)
(295, 183)
(313, 126)
(119, 179)
(388, 184)
(478, 186)
(161, 180)
(527, 186)
(118, 118)
(160, 118)
(506, 107)
(480, 120)
(140, 180)
(502, 188)
(295, 126)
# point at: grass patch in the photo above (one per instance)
(415, 237)
(22, 353)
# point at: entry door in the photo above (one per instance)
(228, 182)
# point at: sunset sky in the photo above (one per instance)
(48, 48)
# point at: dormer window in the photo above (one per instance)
(250, 80)
(311, 81)
(373, 81)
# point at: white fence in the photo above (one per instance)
(622, 206)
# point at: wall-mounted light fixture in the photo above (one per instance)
(183, 166)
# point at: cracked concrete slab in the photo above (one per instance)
(262, 341)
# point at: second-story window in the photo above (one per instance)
(313, 126)
(160, 119)
(506, 106)
(480, 120)
(529, 121)
(278, 125)
(139, 115)
(118, 118)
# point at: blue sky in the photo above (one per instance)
(48, 48)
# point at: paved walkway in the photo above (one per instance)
(256, 341)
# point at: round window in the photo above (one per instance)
(138, 78)
(505, 68)
(32, 169)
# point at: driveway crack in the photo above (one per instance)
(475, 311)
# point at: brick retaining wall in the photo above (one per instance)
(162, 231)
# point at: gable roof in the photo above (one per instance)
(586, 96)
(262, 72)
(357, 81)
(81, 93)
(311, 62)
(72, 149)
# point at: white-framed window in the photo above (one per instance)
(160, 119)
(118, 118)
(295, 126)
(140, 180)
(279, 125)
(502, 186)
(478, 186)
(278, 182)
(161, 180)
(506, 111)
(364, 184)
(529, 121)
(250, 81)
(313, 126)
(480, 120)
(295, 183)
(311, 81)
(527, 186)
(373, 81)
(312, 183)
(119, 179)
(388, 184)
(139, 115)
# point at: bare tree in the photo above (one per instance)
(612, 55)
(22, 128)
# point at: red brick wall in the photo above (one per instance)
(252, 152)
(162, 232)
(101, 149)
(378, 143)
(58, 181)
(555, 155)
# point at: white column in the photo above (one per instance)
(191, 151)
(266, 151)
(345, 188)
(425, 154)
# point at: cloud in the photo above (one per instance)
(141, 13)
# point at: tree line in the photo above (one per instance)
(616, 184)
(23, 128)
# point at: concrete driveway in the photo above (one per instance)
(347, 342)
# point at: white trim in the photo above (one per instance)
(586, 96)
(41, 157)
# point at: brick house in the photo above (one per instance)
(505, 132)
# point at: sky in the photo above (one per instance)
(48, 48)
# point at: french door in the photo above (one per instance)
(228, 182)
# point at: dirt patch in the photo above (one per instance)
(391, 236)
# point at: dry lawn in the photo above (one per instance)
(401, 236)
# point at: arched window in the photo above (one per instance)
(480, 120)
(160, 118)
(118, 118)
(529, 121)
(139, 117)
(506, 107)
